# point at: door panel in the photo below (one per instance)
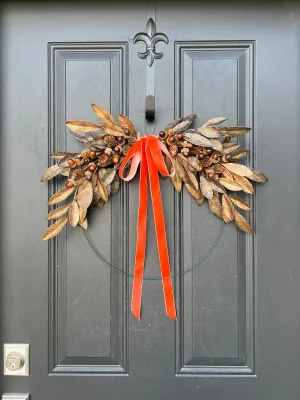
(238, 322)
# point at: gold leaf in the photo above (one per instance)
(54, 229)
(85, 195)
(177, 182)
(226, 173)
(115, 185)
(193, 180)
(101, 203)
(61, 195)
(209, 131)
(217, 187)
(82, 215)
(58, 212)
(102, 190)
(215, 206)
(108, 177)
(234, 131)
(180, 170)
(195, 193)
(239, 154)
(83, 126)
(227, 210)
(127, 124)
(258, 176)
(51, 172)
(65, 171)
(201, 198)
(215, 121)
(217, 145)
(115, 131)
(104, 116)
(244, 183)
(58, 155)
(189, 163)
(239, 169)
(229, 147)
(241, 222)
(240, 203)
(182, 126)
(230, 184)
(84, 224)
(74, 214)
(206, 188)
(172, 124)
(197, 139)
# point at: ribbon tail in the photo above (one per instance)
(161, 236)
(137, 285)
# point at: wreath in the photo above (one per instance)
(203, 159)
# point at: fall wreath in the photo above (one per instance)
(202, 159)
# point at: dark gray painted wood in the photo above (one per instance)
(238, 317)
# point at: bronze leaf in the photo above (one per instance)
(54, 229)
(239, 154)
(114, 131)
(195, 193)
(215, 121)
(234, 131)
(61, 195)
(244, 183)
(189, 163)
(127, 124)
(51, 172)
(182, 126)
(104, 116)
(215, 206)
(240, 203)
(83, 126)
(209, 131)
(216, 144)
(85, 195)
(180, 170)
(58, 212)
(239, 169)
(193, 180)
(206, 188)
(227, 210)
(230, 184)
(241, 222)
(229, 147)
(197, 139)
(108, 177)
(74, 214)
(177, 182)
(84, 224)
(258, 176)
(115, 185)
(102, 190)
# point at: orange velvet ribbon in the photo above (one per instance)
(148, 153)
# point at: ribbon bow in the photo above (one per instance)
(148, 152)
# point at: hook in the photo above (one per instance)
(150, 107)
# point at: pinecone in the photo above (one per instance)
(173, 150)
(126, 149)
(78, 174)
(131, 140)
(110, 141)
(103, 158)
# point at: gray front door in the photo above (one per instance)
(238, 328)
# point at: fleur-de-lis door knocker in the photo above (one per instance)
(150, 37)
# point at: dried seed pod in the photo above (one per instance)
(173, 150)
(185, 152)
(108, 151)
(110, 141)
(85, 155)
(78, 174)
(126, 149)
(170, 132)
(103, 158)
